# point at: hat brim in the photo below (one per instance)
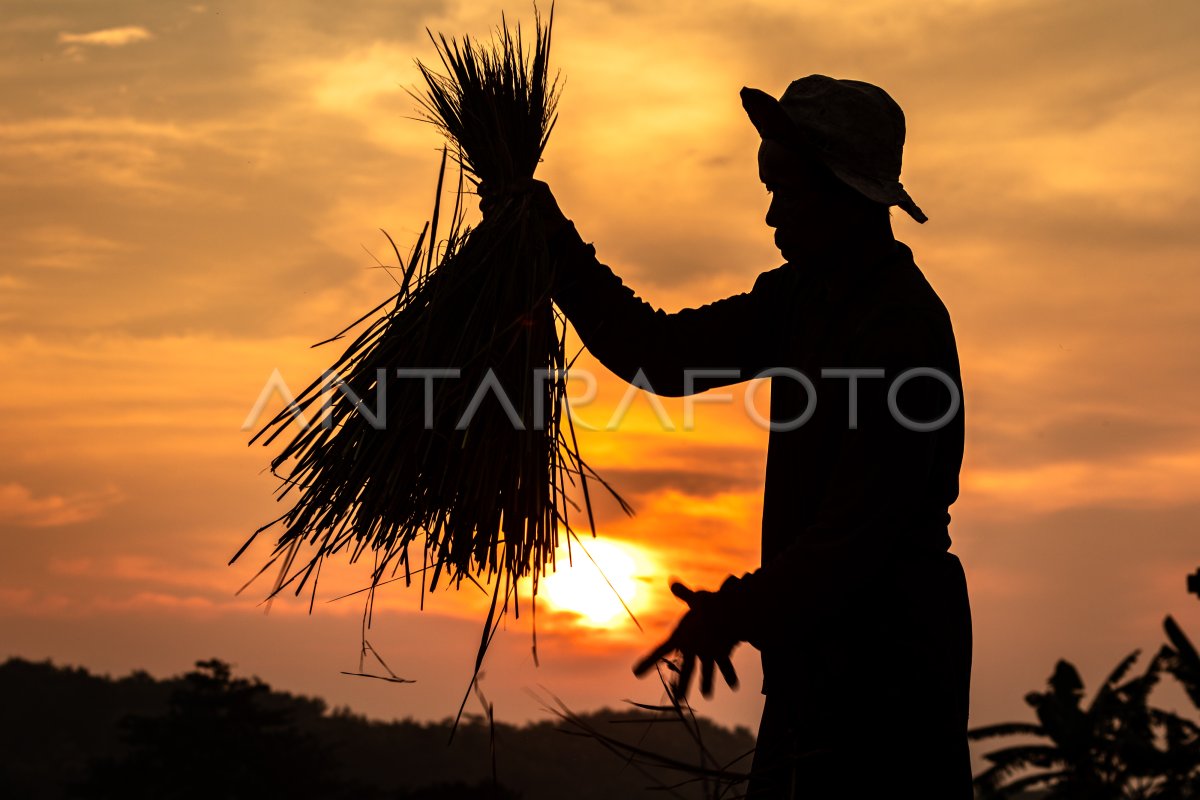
(889, 193)
(772, 122)
(768, 116)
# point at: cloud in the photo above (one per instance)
(108, 37)
(216, 127)
(177, 573)
(158, 602)
(29, 603)
(695, 469)
(20, 506)
(1086, 434)
(32, 604)
(1009, 493)
(56, 246)
(694, 483)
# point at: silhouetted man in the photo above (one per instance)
(859, 610)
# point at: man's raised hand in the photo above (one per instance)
(542, 201)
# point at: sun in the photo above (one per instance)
(581, 589)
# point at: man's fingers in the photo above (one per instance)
(727, 671)
(706, 676)
(683, 593)
(685, 676)
(647, 663)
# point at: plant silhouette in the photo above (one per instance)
(1117, 747)
(1181, 759)
(1182, 661)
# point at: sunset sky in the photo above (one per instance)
(188, 195)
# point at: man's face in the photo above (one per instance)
(803, 207)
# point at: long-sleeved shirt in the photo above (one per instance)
(842, 501)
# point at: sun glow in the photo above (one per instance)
(580, 587)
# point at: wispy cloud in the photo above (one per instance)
(55, 246)
(108, 37)
(19, 505)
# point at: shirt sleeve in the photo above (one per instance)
(677, 354)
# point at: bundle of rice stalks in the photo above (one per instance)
(440, 443)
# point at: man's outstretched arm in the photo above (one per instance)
(685, 352)
(689, 351)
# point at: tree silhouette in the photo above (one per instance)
(62, 724)
(219, 738)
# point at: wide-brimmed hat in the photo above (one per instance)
(854, 128)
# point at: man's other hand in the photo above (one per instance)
(704, 635)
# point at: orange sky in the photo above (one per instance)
(186, 192)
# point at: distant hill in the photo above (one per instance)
(68, 733)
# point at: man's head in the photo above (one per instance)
(809, 206)
(834, 146)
